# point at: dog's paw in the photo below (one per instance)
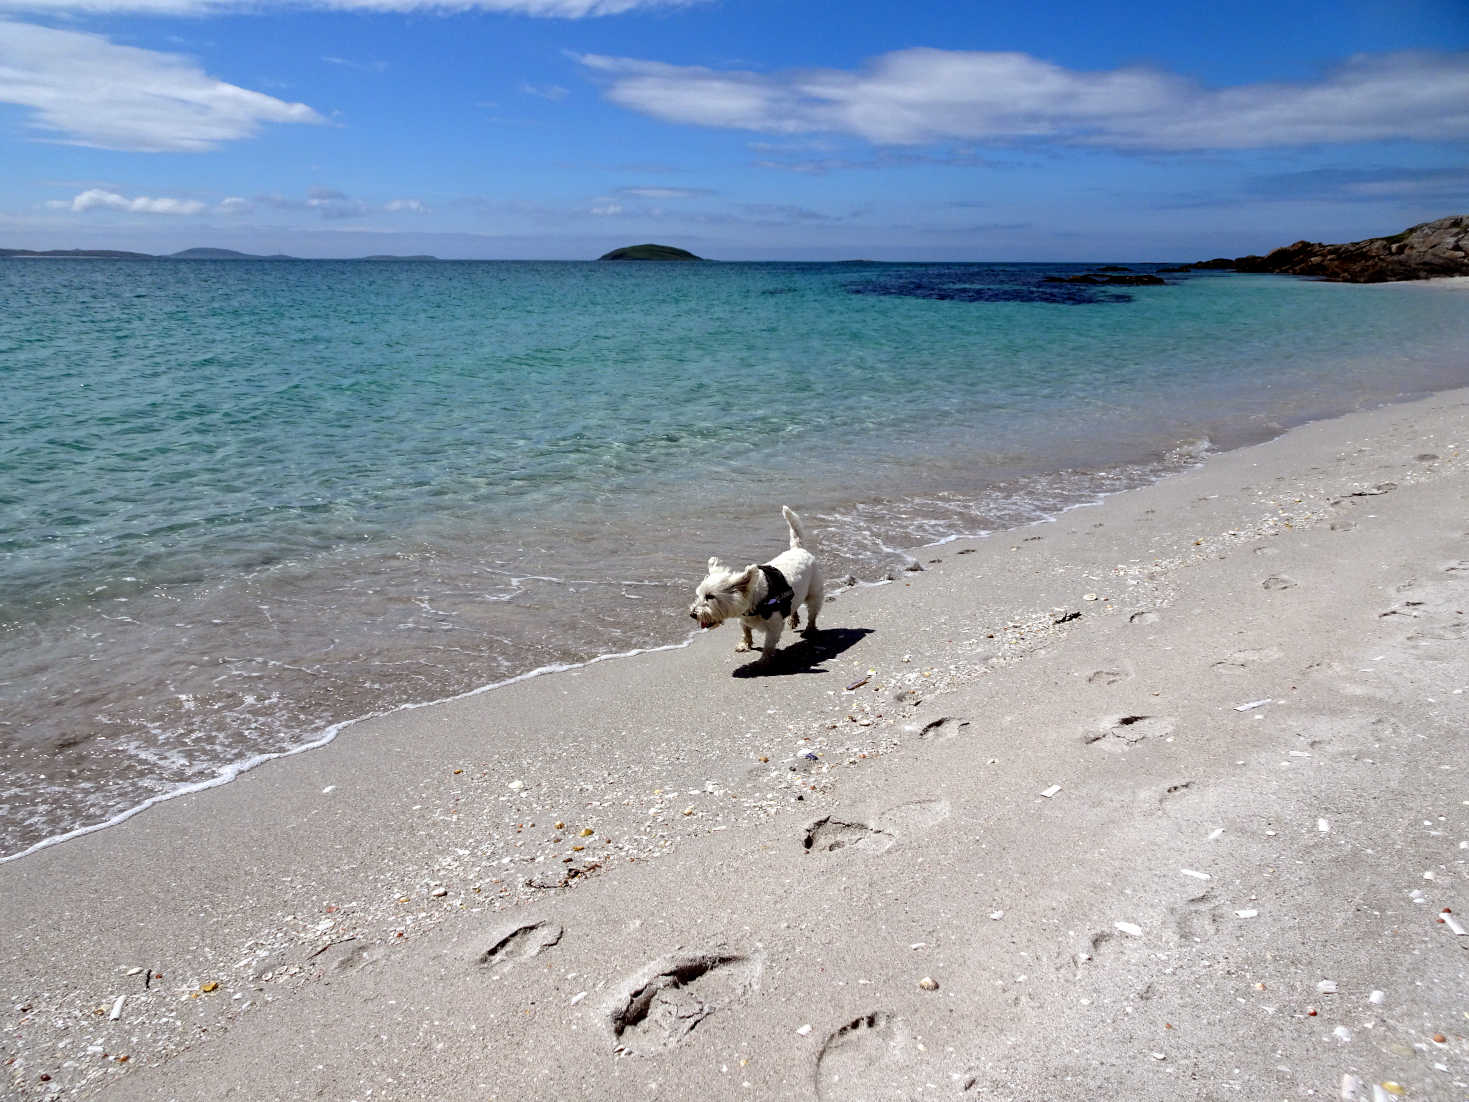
(741, 647)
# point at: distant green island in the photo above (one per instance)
(187, 254)
(649, 252)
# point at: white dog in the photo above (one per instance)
(763, 595)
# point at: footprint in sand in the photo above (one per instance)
(347, 956)
(1195, 919)
(1147, 616)
(520, 941)
(1407, 608)
(667, 1000)
(831, 834)
(1327, 732)
(1090, 948)
(1174, 791)
(943, 728)
(912, 817)
(1246, 659)
(867, 1060)
(1373, 491)
(1436, 620)
(1118, 731)
(1449, 632)
(1110, 675)
(1279, 581)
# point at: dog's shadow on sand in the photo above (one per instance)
(806, 655)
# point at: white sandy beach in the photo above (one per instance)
(1196, 842)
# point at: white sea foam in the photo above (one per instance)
(227, 773)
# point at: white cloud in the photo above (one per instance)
(98, 199)
(412, 206)
(235, 205)
(920, 95)
(607, 209)
(86, 90)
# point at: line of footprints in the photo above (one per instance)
(656, 1008)
(869, 1057)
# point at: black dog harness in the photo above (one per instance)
(778, 596)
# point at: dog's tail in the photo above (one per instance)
(798, 534)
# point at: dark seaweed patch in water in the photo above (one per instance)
(969, 285)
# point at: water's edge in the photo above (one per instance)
(230, 772)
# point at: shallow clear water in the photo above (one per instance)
(242, 501)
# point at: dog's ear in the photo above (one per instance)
(714, 564)
(746, 576)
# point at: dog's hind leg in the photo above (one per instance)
(745, 642)
(814, 598)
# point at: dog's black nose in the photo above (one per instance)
(693, 615)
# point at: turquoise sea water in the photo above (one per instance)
(241, 502)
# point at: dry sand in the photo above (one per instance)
(1195, 842)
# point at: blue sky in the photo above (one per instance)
(739, 129)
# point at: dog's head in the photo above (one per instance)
(723, 594)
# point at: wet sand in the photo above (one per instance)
(1162, 800)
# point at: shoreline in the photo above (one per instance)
(320, 738)
(279, 651)
(941, 709)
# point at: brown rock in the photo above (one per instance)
(1426, 251)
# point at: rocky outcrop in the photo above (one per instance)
(1439, 248)
(649, 252)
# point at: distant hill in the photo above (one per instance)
(649, 252)
(186, 254)
(222, 254)
(93, 254)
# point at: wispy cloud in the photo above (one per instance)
(921, 95)
(1368, 184)
(334, 205)
(553, 92)
(785, 214)
(359, 66)
(665, 192)
(544, 9)
(1411, 189)
(885, 159)
(85, 90)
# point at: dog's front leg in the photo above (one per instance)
(772, 636)
(745, 641)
